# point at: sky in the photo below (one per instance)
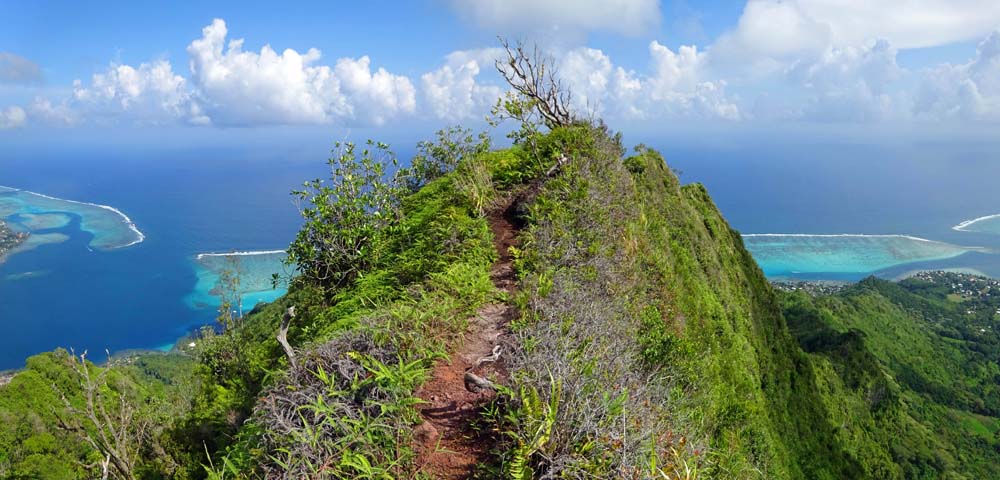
(204, 69)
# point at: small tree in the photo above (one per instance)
(435, 159)
(537, 88)
(108, 419)
(230, 291)
(538, 98)
(345, 215)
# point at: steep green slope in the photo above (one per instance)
(895, 382)
(44, 414)
(647, 344)
(667, 340)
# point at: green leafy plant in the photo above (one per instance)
(345, 215)
(538, 419)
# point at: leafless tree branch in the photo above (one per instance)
(532, 74)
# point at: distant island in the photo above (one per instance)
(9, 240)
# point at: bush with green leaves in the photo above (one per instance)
(345, 215)
(435, 159)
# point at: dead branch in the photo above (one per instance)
(117, 434)
(283, 334)
(474, 383)
(497, 350)
(533, 76)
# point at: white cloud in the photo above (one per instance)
(774, 30)
(790, 58)
(968, 91)
(674, 88)
(149, 93)
(589, 74)
(242, 88)
(628, 17)
(48, 113)
(375, 97)
(452, 91)
(12, 117)
(229, 86)
(904, 23)
(768, 35)
(850, 83)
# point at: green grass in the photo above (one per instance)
(649, 344)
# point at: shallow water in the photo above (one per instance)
(147, 295)
(916, 189)
(255, 273)
(109, 227)
(843, 257)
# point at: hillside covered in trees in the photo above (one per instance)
(562, 308)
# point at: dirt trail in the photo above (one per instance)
(448, 447)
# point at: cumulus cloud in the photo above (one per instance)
(674, 87)
(968, 91)
(15, 69)
(229, 86)
(452, 91)
(904, 23)
(239, 87)
(150, 93)
(774, 29)
(769, 35)
(788, 60)
(628, 17)
(12, 117)
(43, 110)
(678, 84)
(850, 83)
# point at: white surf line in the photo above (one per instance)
(128, 221)
(961, 227)
(239, 254)
(865, 235)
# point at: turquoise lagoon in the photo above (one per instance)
(38, 214)
(255, 271)
(87, 283)
(845, 256)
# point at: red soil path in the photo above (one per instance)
(447, 446)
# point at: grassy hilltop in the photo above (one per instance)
(562, 308)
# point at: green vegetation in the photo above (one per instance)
(9, 239)
(907, 375)
(647, 343)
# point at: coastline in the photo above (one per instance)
(239, 253)
(963, 226)
(867, 235)
(140, 237)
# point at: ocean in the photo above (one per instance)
(149, 294)
(855, 209)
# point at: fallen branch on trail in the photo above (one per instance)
(474, 383)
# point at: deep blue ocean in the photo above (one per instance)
(190, 201)
(185, 203)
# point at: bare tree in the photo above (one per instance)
(532, 75)
(108, 420)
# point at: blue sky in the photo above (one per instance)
(895, 64)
